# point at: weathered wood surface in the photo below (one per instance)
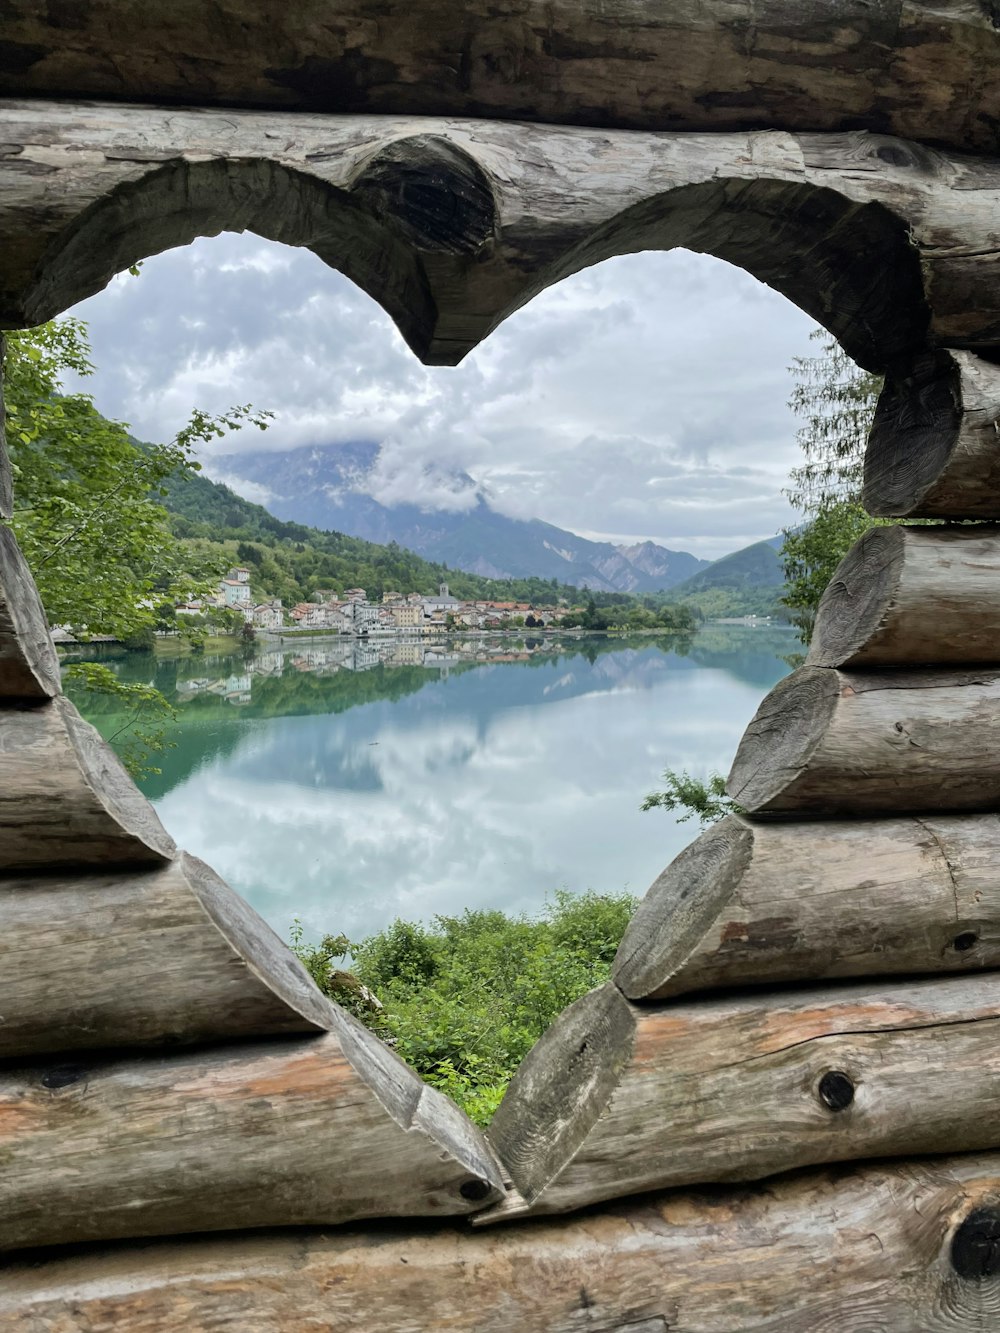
(912, 597)
(299, 1130)
(65, 798)
(827, 742)
(889, 1248)
(29, 667)
(143, 957)
(923, 70)
(885, 241)
(763, 903)
(934, 448)
(618, 1098)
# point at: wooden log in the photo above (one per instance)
(453, 225)
(618, 1098)
(295, 1131)
(29, 667)
(763, 903)
(934, 447)
(65, 799)
(923, 70)
(912, 597)
(829, 743)
(146, 957)
(891, 1248)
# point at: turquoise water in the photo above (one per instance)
(329, 784)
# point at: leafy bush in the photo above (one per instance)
(464, 999)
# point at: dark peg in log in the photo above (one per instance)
(836, 1090)
(475, 1190)
(975, 1249)
(62, 1076)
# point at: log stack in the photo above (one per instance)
(815, 980)
(868, 850)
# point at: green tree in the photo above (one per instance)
(707, 800)
(87, 512)
(86, 509)
(836, 401)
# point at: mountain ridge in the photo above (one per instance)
(323, 486)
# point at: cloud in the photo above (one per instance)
(643, 397)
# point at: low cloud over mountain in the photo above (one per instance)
(371, 491)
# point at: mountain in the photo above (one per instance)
(334, 487)
(746, 582)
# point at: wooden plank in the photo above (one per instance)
(295, 1131)
(143, 957)
(830, 743)
(764, 903)
(903, 1247)
(618, 1098)
(911, 597)
(29, 667)
(923, 70)
(932, 452)
(65, 799)
(839, 223)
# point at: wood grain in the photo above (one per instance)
(912, 597)
(922, 70)
(864, 1250)
(300, 1130)
(766, 903)
(143, 957)
(65, 799)
(835, 743)
(29, 667)
(884, 241)
(618, 1098)
(934, 450)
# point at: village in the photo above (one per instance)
(398, 614)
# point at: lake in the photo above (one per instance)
(350, 784)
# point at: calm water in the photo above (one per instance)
(346, 790)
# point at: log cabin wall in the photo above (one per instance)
(812, 982)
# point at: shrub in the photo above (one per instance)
(464, 999)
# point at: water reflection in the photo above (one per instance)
(351, 783)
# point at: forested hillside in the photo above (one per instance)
(292, 561)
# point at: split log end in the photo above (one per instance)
(29, 667)
(782, 735)
(562, 1088)
(679, 909)
(857, 598)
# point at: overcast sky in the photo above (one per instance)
(642, 398)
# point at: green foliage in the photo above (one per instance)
(706, 800)
(142, 730)
(836, 400)
(87, 514)
(88, 517)
(812, 553)
(466, 998)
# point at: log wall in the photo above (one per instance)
(844, 179)
(890, 1247)
(922, 70)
